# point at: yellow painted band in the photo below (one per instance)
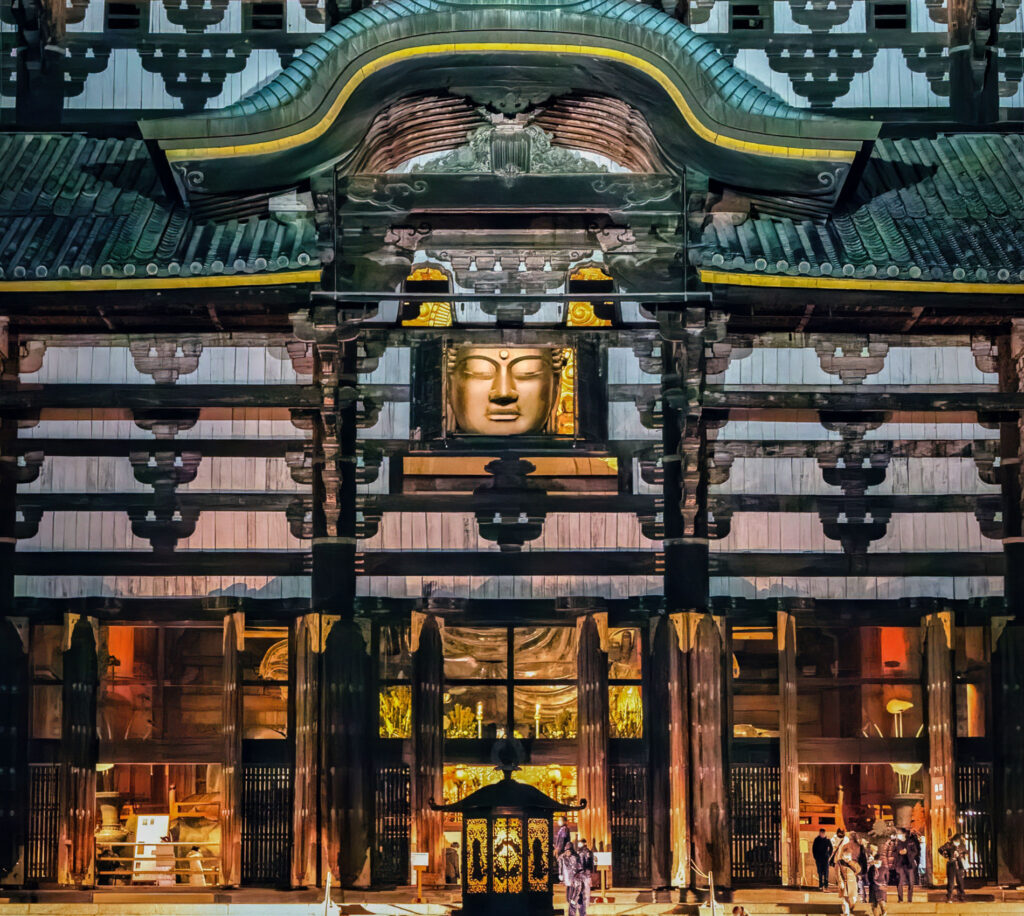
(386, 60)
(901, 286)
(127, 283)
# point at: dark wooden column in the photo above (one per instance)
(231, 731)
(789, 763)
(76, 863)
(1008, 661)
(1008, 646)
(669, 761)
(973, 73)
(8, 469)
(428, 745)
(592, 775)
(304, 709)
(941, 776)
(14, 688)
(348, 710)
(710, 802)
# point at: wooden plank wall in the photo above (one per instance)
(929, 495)
(91, 474)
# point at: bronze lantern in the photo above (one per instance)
(508, 864)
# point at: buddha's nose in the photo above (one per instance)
(504, 389)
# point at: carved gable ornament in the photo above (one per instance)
(704, 113)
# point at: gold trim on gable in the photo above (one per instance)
(728, 278)
(386, 60)
(129, 283)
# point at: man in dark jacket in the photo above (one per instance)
(905, 863)
(821, 850)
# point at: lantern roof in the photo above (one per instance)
(508, 793)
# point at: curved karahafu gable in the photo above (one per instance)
(704, 112)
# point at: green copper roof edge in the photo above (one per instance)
(653, 34)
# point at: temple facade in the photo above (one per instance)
(635, 388)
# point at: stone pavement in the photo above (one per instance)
(621, 902)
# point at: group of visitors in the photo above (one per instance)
(864, 871)
(576, 869)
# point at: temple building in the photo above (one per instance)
(637, 387)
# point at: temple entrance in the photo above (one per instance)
(389, 860)
(266, 824)
(756, 823)
(631, 862)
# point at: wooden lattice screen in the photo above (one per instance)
(631, 844)
(756, 822)
(974, 813)
(389, 863)
(43, 807)
(266, 824)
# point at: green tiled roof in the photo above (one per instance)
(75, 207)
(706, 113)
(948, 209)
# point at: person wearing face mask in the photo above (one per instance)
(906, 865)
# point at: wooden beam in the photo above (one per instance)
(428, 747)
(231, 751)
(144, 563)
(869, 399)
(593, 778)
(873, 564)
(156, 397)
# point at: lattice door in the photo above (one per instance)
(974, 811)
(389, 863)
(631, 844)
(266, 824)
(756, 823)
(43, 808)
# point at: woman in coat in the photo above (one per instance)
(846, 873)
(878, 879)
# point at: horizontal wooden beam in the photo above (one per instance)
(159, 397)
(935, 502)
(122, 448)
(868, 399)
(801, 565)
(823, 751)
(147, 563)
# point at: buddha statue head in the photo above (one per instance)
(503, 391)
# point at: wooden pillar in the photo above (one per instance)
(710, 801)
(348, 710)
(1008, 766)
(789, 763)
(76, 857)
(669, 764)
(592, 776)
(8, 469)
(941, 789)
(1008, 646)
(428, 746)
(231, 753)
(304, 709)
(14, 686)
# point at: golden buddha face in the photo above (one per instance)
(501, 391)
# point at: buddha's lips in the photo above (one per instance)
(503, 415)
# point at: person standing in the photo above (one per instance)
(586, 874)
(915, 845)
(838, 846)
(906, 866)
(954, 851)
(561, 841)
(821, 851)
(846, 873)
(572, 877)
(451, 864)
(878, 878)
